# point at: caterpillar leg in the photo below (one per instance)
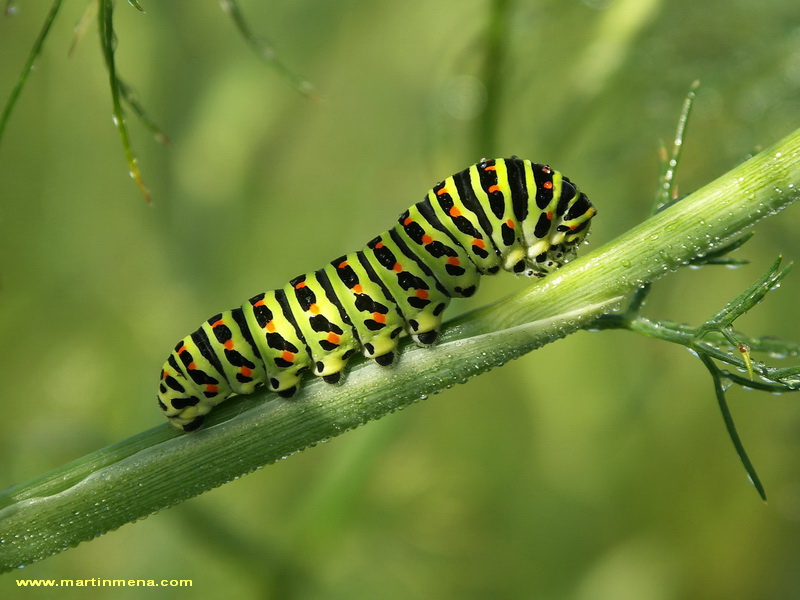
(190, 386)
(277, 341)
(385, 360)
(363, 297)
(426, 339)
(324, 326)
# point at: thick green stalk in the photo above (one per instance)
(159, 467)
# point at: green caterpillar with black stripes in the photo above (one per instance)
(508, 214)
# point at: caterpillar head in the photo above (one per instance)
(567, 231)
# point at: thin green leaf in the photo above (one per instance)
(108, 43)
(26, 70)
(730, 247)
(731, 427)
(746, 300)
(787, 376)
(82, 26)
(772, 345)
(130, 99)
(761, 386)
(266, 50)
(727, 262)
(667, 190)
(718, 255)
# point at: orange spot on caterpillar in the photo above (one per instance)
(182, 349)
(217, 323)
(270, 326)
(192, 366)
(493, 188)
(212, 388)
(333, 338)
(490, 168)
(314, 309)
(379, 317)
(300, 285)
(288, 356)
(479, 243)
(408, 221)
(442, 192)
(259, 303)
(548, 185)
(397, 268)
(454, 212)
(426, 239)
(422, 294)
(550, 215)
(228, 345)
(379, 245)
(358, 289)
(452, 260)
(246, 371)
(510, 223)
(342, 265)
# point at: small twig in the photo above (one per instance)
(667, 189)
(731, 426)
(26, 70)
(108, 44)
(266, 50)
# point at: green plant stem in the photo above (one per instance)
(159, 467)
(108, 41)
(266, 51)
(26, 70)
(731, 426)
(669, 162)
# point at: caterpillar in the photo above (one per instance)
(508, 214)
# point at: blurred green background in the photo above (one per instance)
(595, 468)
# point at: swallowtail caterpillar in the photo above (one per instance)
(508, 214)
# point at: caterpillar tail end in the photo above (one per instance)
(184, 406)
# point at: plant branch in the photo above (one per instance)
(108, 43)
(266, 51)
(26, 70)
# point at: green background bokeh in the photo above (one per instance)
(595, 468)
